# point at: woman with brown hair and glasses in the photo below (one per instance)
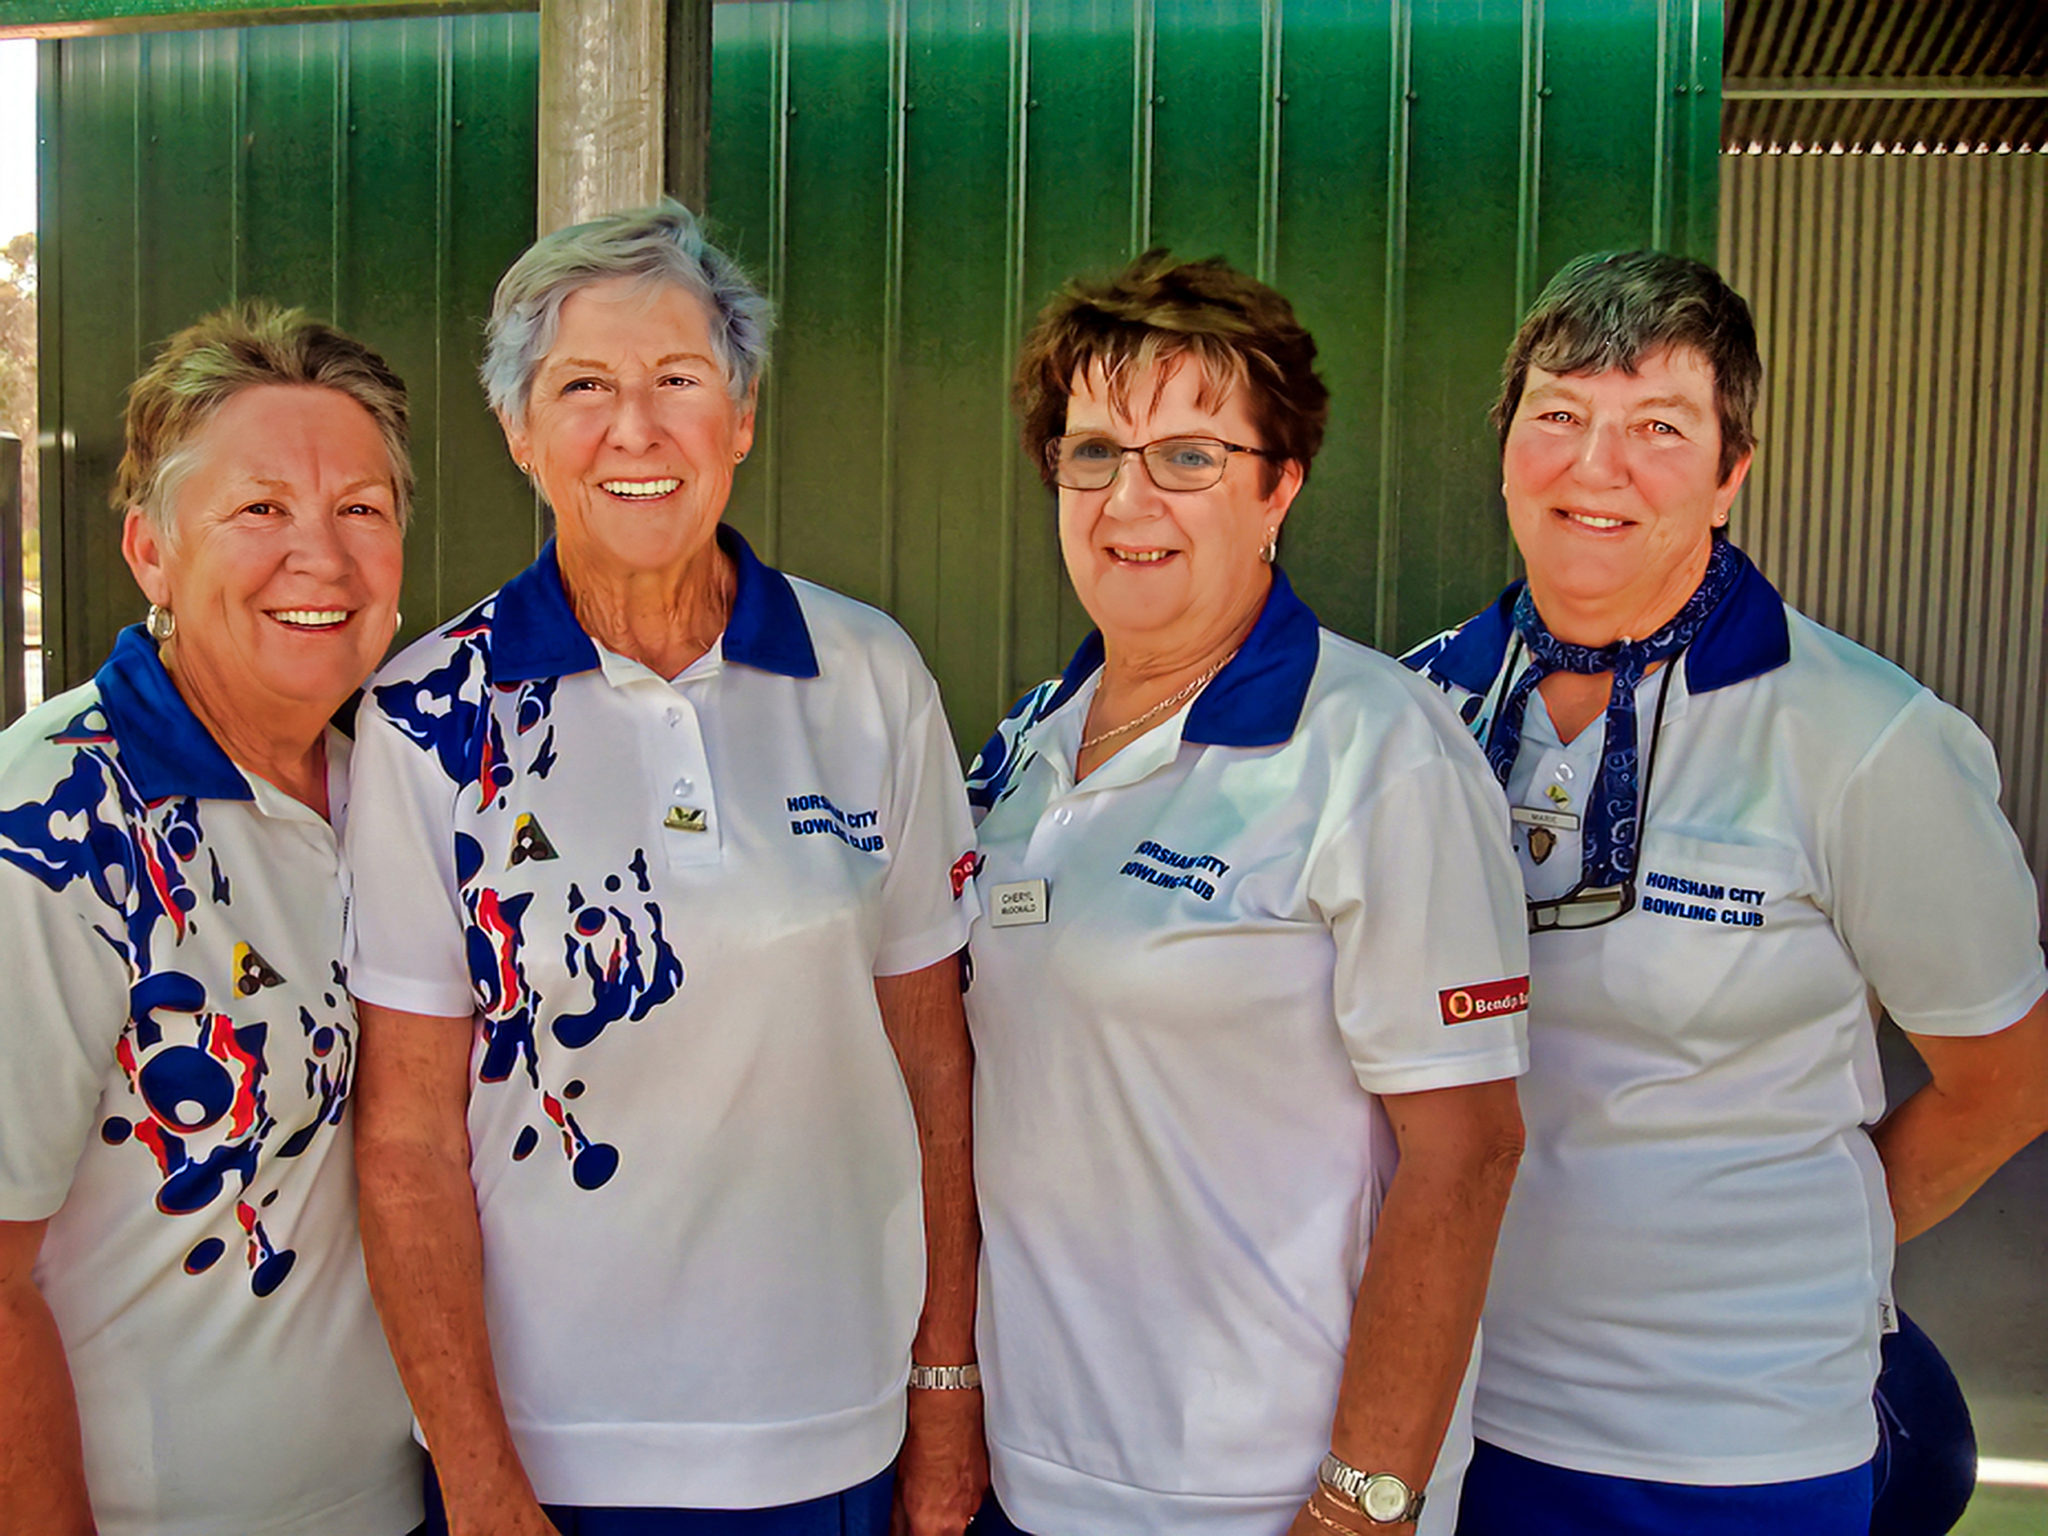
(1248, 994)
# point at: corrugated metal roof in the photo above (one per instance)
(1947, 74)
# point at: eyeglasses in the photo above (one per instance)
(1583, 906)
(1587, 905)
(1088, 461)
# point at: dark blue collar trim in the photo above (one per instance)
(1255, 701)
(1747, 636)
(165, 751)
(767, 629)
(535, 635)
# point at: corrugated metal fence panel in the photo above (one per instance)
(913, 180)
(1900, 493)
(381, 174)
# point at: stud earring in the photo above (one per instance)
(161, 624)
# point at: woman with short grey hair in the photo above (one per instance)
(661, 864)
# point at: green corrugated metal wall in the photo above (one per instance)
(914, 180)
(911, 181)
(379, 173)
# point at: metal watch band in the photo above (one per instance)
(945, 1378)
(1381, 1497)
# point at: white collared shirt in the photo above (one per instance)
(176, 1053)
(1290, 898)
(1694, 1271)
(665, 903)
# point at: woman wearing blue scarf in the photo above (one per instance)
(1740, 833)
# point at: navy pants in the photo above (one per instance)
(1917, 1484)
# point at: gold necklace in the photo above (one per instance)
(1161, 707)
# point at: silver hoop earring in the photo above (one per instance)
(1271, 551)
(397, 621)
(161, 624)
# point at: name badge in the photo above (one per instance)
(1018, 904)
(1537, 816)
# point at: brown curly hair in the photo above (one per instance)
(1232, 327)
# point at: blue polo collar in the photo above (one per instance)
(1747, 636)
(535, 634)
(165, 751)
(1255, 701)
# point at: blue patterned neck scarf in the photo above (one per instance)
(1609, 828)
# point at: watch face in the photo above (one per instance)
(1385, 1498)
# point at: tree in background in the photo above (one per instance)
(18, 377)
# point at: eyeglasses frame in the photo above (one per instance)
(1051, 453)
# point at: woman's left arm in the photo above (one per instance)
(1987, 1098)
(943, 1469)
(1425, 1282)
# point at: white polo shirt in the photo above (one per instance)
(1289, 898)
(176, 1052)
(665, 903)
(1694, 1270)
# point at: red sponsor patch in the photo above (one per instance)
(965, 868)
(1485, 1000)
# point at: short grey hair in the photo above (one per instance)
(1613, 308)
(663, 243)
(241, 347)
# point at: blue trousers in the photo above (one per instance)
(1917, 1484)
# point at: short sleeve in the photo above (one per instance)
(67, 1004)
(407, 937)
(1929, 887)
(1425, 908)
(928, 903)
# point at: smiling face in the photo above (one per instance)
(1170, 574)
(284, 565)
(631, 432)
(1613, 492)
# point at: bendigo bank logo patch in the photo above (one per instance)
(1484, 1000)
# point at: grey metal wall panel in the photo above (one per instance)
(1900, 493)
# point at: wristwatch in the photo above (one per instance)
(1379, 1496)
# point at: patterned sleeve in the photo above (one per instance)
(67, 1004)
(407, 935)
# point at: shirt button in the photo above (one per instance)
(684, 786)
(1564, 773)
(1062, 816)
(675, 718)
